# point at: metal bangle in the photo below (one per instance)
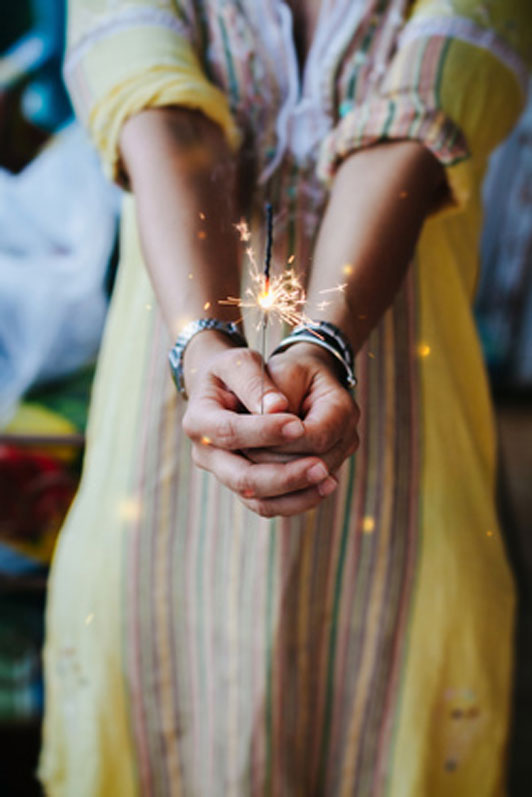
(177, 352)
(301, 337)
(332, 334)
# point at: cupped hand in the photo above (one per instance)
(309, 378)
(224, 386)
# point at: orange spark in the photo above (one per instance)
(243, 230)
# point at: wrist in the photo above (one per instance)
(202, 348)
(310, 351)
(215, 343)
(326, 337)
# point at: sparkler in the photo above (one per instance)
(281, 296)
(265, 300)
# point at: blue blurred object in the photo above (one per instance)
(504, 303)
(35, 59)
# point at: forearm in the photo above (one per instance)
(379, 200)
(181, 172)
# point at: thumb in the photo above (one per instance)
(243, 372)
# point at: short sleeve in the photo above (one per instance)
(457, 83)
(123, 57)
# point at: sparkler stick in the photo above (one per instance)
(266, 292)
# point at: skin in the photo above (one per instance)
(184, 180)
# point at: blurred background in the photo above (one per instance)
(58, 255)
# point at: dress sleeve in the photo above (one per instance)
(125, 56)
(457, 83)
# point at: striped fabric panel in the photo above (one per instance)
(466, 30)
(264, 657)
(407, 107)
(137, 648)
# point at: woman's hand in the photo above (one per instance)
(308, 377)
(223, 418)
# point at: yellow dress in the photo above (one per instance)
(363, 648)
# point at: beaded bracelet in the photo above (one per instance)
(328, 337)
(177, 352)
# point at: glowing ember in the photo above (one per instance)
(129, 509)
(368, 524)
(266, 299)
(243, 230)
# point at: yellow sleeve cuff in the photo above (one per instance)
(443, 88)
(124, 71)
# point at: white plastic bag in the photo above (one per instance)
(57, 230)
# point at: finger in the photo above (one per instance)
(261, 455)
(205, 421)
(243, 372)
(332, 459)
(294, 503)
(336, 456)
(259, 481)
(330, 419)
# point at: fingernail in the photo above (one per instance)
(293, 429)
(327, 487)
(272, 400)
(317, 473)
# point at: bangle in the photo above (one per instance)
(328, 337)
(177, 352)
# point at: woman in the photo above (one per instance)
(289, 618)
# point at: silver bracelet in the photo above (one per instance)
(177, 352)
(328, 337)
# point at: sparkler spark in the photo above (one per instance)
(282, 297)
(336, 289)
(243, 230)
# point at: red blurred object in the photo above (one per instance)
(35, 493)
